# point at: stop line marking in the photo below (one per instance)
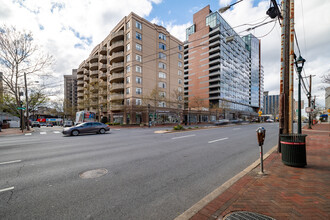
(7, 189)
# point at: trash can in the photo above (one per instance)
(293, 148)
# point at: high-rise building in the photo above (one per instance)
(135, 75)
(327, 98)
(271, 104)
(70, 94)
(1, 88)
(221, 69)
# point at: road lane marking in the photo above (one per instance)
(117, 129)
(236, 128)
(210, 142)
(184, 136)
(6, 189)
(57, 132)
(28, 134)
(43, 132)
(9, 162)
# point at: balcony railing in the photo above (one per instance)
(103, 76)
(103, 84)
(93, 80)
(116, 107)
(94, 73)
(80, 94)
(103, 66)
(118, 33)
(116, 97)
(117, 54)
(114, 86)
(117, 44)
(116, 76)
(94, 66)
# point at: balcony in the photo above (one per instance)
(103, 84)
(103, 101)
(93, 81)
(116, 107)
(93, 103)
(94, 73)
(117, 57)
(116, 86)
(80, 94)
(94, 66)
(116, 76)
(80, 88)
(115, 96)
(94, 89)
(86, 71)
(103, 50)
(103, 92)
(103, 67)
(94, 58)
(119, 35)
(103, 76)
(86, 78)
(117, 46)
(103, 58)
(94, 96)
(116, 66)
(80, 76)
(80, 71)
(86, 66)
(80, 82)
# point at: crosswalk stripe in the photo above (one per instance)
(43, 132)
(28, 134)
(57, 132)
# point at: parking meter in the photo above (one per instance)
(261, 134)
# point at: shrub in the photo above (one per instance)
(178, 127)
(189, 128)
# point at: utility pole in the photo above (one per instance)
(291, 64)
(27, 103)
(285, 71)
(310, 101)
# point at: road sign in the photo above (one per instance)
(259, 112)
(21, 108)
(329, 110)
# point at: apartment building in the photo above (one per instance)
(271, 104)
(70, 94)
(134, 76)
(221, 70)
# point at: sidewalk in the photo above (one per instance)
(284, 192)
(14, 131)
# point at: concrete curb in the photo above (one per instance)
(217, 192)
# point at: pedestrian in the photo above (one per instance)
(0, 125)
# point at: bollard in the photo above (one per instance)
(261, 134)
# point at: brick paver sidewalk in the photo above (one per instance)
(285, 192)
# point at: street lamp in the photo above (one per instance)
(299, 64)
(223, 9)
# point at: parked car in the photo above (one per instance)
(35, 124)
(221, 122)
(68, 124)
(86, 127)
(42, 124)
(269, 120)
(49, 125)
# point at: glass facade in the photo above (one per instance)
(213, 20)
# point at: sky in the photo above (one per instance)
(69, 30)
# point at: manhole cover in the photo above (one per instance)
(243, 215)
(90, 174)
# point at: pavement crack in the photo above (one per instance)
(19, 170)
(11, 196)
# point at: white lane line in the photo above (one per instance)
(184, 136)
(6, 189)
(28, 134)
(117, 129)
(57, 132)
(9, 162)
(43, 132)
(236, 128)
(210, 142)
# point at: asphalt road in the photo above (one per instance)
(150, 176)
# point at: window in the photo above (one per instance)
(139, 47)
(180, 98)
(179, 89)
(180, 64)
(138, 101)
(138, 58)
(162, 56)
(138, 91)
(162, 85)
(162, 65)
(128, 69)
(161, 104)
(180, 81)
(128, 47)
(128, 79)
(128, 35)
(128, 91)
(128, 25)
(162, 75)
(162, 46)
(138, 36)
(128, 58)
(138, 69)
(138, 25)
(138, 80)
(179, 55)
(162, 94)
(180, 47)
(179, 72)
(162, 36)
(127, 101)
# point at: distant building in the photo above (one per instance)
(70, 93)
(327, 98)
(271, 104)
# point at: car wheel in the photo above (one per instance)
(102, 131)
(74, 133)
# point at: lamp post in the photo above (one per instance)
(299, 64)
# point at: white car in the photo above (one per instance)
(269, 120)
(68, 124)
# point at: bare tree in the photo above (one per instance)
(177, 102)
(326, 77)
(20, 56)
(154, 98)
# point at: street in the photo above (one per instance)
(149, 176)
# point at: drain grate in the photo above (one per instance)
(90, 174)
(244, 215)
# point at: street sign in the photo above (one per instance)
(329, 110)
(259, 112)
(21, 108)
(308, 110)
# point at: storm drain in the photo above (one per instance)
(90, 174)
(244, 215)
